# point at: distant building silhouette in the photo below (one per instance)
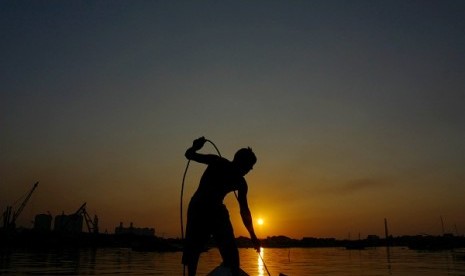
(68, 223)
(43, 222)
(121, 230)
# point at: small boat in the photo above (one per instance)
(224, 271)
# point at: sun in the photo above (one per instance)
(260, 221)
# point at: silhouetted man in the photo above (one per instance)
(207, 215)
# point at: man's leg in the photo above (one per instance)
(196, 237)
(230, 255)
(224, 236)
(192, 264)
(190, 257)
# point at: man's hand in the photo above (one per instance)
(198, 143)
(256, 244)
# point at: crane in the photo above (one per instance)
(9, 221)
(92, 225)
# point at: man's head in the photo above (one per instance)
(244, 160)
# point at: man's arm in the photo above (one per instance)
(191, 153)
(247, 216)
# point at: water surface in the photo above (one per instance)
(294, 261)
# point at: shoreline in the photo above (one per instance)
(28, 238)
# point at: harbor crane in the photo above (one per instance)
(10, 217)
(92, 225)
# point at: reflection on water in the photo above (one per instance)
(295, 261)
(261, 267)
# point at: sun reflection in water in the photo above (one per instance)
(261, 266)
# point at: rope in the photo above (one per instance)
(183, 183)
(217, 150)
(182, 224)
(182, 195)
(263, 261)
(181, 207)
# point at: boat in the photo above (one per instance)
(222, 270)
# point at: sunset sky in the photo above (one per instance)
(355, 110)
